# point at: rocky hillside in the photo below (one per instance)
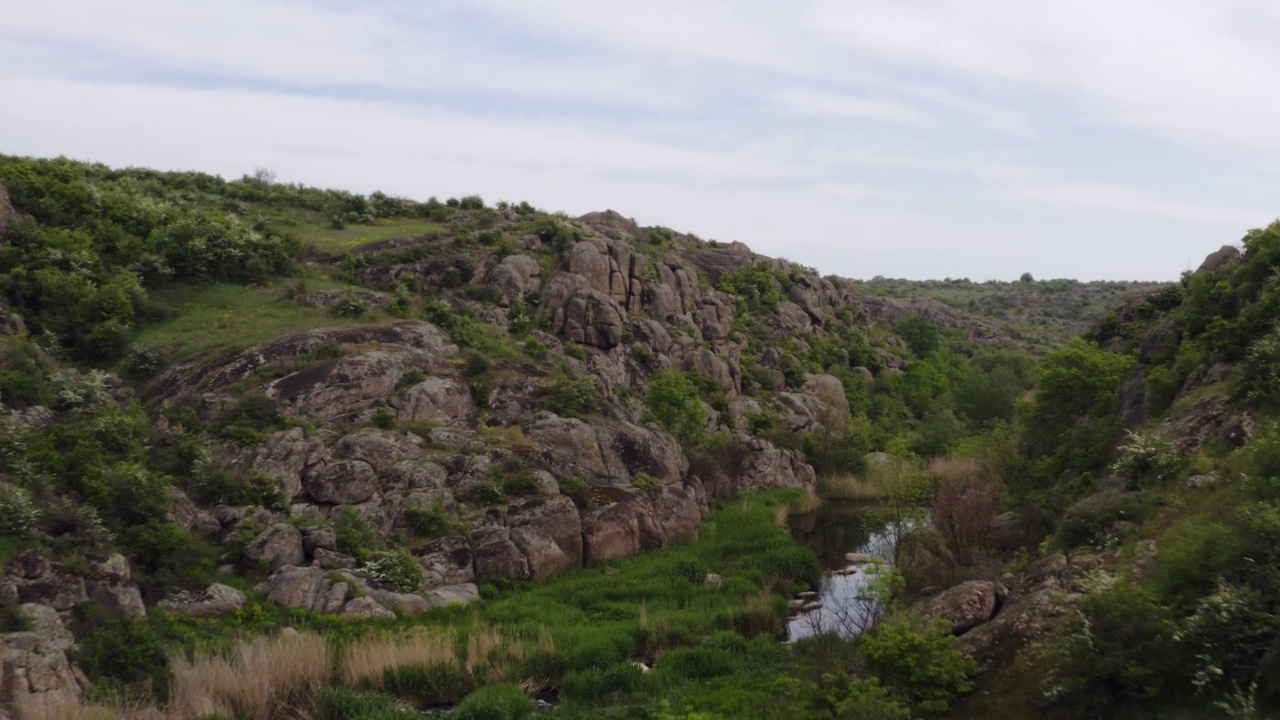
(1039, 314)
(368, 406)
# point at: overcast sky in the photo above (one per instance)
(906, 138)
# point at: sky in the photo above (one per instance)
(904, 138)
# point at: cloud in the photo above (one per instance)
(878, 137)
(804, 101)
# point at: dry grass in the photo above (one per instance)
(851, 487)
(807, 504)
(75, 710)
(492, 656)
(370, 659)
(265, 679)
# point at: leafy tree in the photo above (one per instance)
(674, 402)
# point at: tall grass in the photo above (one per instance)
(264, 679)
(851, 487)
(369, 660)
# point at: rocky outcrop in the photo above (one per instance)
(216, 601)
(964, 606)
(592, 318)
(354, 595)
(549, 533)
(891, 310)
(401, 345)
(607, 452)
(36, 671)
(515, 276)
(1220, 258)
(497, 556)
(446, 561)
(330, 298)
(438, 400)
(285, 455)
(277, 546)
(610, 532)
(110, 584)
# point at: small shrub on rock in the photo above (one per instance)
(395, 568)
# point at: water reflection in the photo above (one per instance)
(837, 532)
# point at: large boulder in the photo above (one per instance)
(592, 318)
(515, 276)
(438, 399)
(381, 449)
(964, 606)
(110, 584)
(607, 452)
(1220, 258)
(341, 482)
(37, 675)
(549, 533)
(215, 601)
(610, 532)
(347, 387)
(446, 561)
(497, 556)
(411, 343)
(278, 546)
(286, 455)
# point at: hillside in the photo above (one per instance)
(1041, 313)
(462, 454)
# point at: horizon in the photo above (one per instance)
(979, 140)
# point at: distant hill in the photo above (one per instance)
(1043, 313)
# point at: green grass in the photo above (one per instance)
(226, 316)
(716, 649)
(314, 228)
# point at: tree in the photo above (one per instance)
(1026, 278)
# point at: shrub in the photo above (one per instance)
(430, 523)
(577, 489)
(645, 481)
(921, 668)
(354, 536)
(1091, 521)
(396, 568)
(121, 650)
(349, 308)
(535, 349)
(673, 400)
(1149, 458)
(521, 484)
(428, 685)
(384, 419)
(411, 377)
(495, 702)
(18, 514)
(575, 351)
(485, 493)
(571, 398)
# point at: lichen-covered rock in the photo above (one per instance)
(286, 455)
(592, 318)
(36, 672)
(216, 601)
(341, 482)
(610, 532)
(446, 561)
(549, 533)
(516, 276)
(964, 606)
(366, 608)
(461, 594)
(57, 591)
(278, 546)
(185, 514)
(380, 449)
(438, 400)
(678, 510)
(497, 556)
(110, 584)
(346, 387)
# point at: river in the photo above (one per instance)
(834, 530)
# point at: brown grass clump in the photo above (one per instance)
(370, 659)
(264, 679)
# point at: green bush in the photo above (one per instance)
(495, 702)
(396, 568)
(1147, 459)
(121, 651)
(568, 397)
(384, 419)
(1091, 522)
(484, 493)
(922, 668)
(595, 684)
(575, 351)
(576, 488)
(430, 523)
(354, 536)
(673, 400)
(521, 484)
(535, 349)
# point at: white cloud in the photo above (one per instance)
(805, 101)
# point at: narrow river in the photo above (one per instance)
(852, 545)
